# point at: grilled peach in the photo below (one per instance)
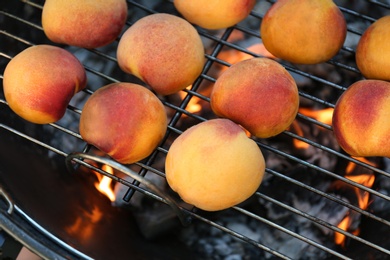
(214, 165)
(124, 120)
(259, 94)
(40, 81)
(215, 14)
(373, 50)
(88, 23)
(163, 50)
(361, 119)
(304, 31)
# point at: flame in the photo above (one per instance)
(233, 56)
(364, 179)
(298, 143)
(363, 197)
(339, 238)
(194, 105)
(344, 224)
(351, 165)
(323, 115)
(104, 184)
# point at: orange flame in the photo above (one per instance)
(104, 184)
(362, 196)
(351, 165)
(194, 105)
(298, 143)
(366, 180)
(344, 224)
(233, 56)
(323, 115)
(339, 238)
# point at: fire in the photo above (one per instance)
(344, 224)
(351, 166)
(194, 105)
(104, 184)
(323, 115)
(362, 196)
(233, 56)
(298, 143)
(339, 238)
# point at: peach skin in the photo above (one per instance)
(88, 23)
(40, 81)
(259, 94)
(124, 120)
(361, 119)
(303, 31)
(215, 14)
(373, 50)
(214, 165)
(163, 50)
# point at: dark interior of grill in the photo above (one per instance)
(296, 213)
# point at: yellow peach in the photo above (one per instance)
(215, 14)
(214, 165)
(124, 120)
(87, 23)
(40, 81)
(259, 94)
(373, 50)
(163, 50)
(361, 119)
(303, 31)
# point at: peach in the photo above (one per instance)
(216, 14)
(87, 23)
(214, 165)
(259, 94)
(304, 31)
(40, 81)
(164, 51)
(361, 119)
(373, 50)
(124, 120)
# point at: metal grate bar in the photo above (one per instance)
(300, 237)
(332, 174)
(238, 235)
(330, 197)
(323, 223)
(387, 6)
(325, 148)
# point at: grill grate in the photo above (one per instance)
(317, 89)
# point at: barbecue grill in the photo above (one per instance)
(311, 203)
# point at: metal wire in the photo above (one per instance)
(222, 42)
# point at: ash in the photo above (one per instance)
(213, 243)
